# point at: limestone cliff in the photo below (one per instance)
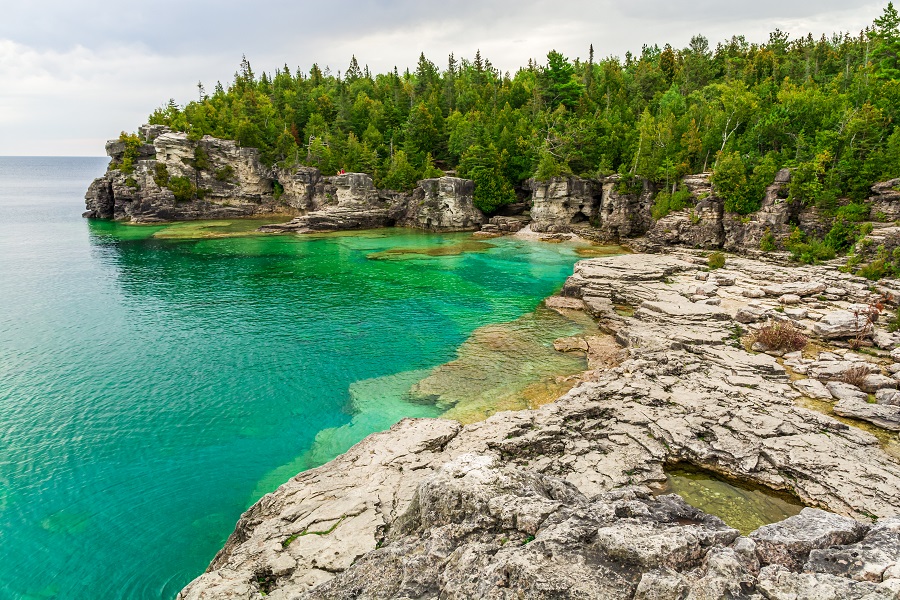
(171, 177)
(219, 179)
(351, 201)
(174, 178)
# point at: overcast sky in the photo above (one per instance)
(75, 73)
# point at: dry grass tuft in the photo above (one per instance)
(855, 375)
(781, 335)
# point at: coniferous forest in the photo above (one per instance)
(827, 107)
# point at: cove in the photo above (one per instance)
(155, 379)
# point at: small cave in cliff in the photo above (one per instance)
(578, 218)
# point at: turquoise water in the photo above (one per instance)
(153, 384)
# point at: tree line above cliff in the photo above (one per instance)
(826, 107)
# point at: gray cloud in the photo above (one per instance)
(73, 74)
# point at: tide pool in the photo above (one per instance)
(155, 380)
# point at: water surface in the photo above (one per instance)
(742, 506)
(154, 380)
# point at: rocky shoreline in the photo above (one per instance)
(565, 500)
(163, 175)
(559, 501)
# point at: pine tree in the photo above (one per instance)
(353, 73)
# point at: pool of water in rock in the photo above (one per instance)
(156, 379)
(744, 507)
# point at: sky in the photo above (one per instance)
(75, 73)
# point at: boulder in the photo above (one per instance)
(866, 560)
(789, 542)
(836, 370)
(796, 313)
(777, 583)
(873, 382)
(813, 388)
(842, 324)
(749, 314)
(885, 201)
(797, 288)
(844, 391)
(888, 397)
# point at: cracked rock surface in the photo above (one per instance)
(556, 502)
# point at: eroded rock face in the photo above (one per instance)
(885, 201)
(789, 542)
(699, 226)
(550, 502)
(224, 180)
(351, 201)
(229, 181)
(624, 214)
(563, 203)
(443, 204)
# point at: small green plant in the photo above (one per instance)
(629, 184)
(266, 580)
(293, 537)
(161, 174)
(132, 152)
(716, 260)
(666, 202)
(132, 183)
(694, 217)
(894, 322)
(528, 540)
(225, 173)
(807, 252)
(780, 335)
(278, 191)
(767, 243)
(182, 188)
(884, 264)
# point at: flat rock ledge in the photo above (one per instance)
(557, 502)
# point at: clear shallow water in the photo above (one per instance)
(153, 382)
(744, 507)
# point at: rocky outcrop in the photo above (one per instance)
(699, 226)
(341, 202)
(601, 209)
(885, 201)
(776, 218)
(560, 204)
(706, 224)
(557, 502)
(174, 178)
(443, 204)
(351, 201)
